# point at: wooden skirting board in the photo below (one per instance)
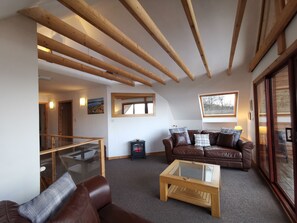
(128, 156)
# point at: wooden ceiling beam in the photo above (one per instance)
(76, 54)
(282, 21)
(279, 61)
(136, 9)
(43, 17)
(281, 40)
(189, 10)
(237, 25)
(81, 8)
(52, 58)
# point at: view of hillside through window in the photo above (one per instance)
(219, 104)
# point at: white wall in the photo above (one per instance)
(94, 125)
(19, 139)
(152, 129)
(117, 132)
(184, 103)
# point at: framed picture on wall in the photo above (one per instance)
(96, 106)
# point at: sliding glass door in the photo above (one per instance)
(276, 125)
(282, 133)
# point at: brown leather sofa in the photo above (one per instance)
(100, 195)
(239, 156)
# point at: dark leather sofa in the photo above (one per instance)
(100, 195)
(239, 156)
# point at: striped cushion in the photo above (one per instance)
(202, 140)
(40, 208)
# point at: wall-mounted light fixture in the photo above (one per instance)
(82, 101)
(51, 105)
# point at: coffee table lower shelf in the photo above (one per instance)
(196, 197)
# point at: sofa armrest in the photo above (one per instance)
(168, 143)
(246, 148)
(9, 213)
(99, 191)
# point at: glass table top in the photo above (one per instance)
(198, 171)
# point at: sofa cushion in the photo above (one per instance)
(179, 130)
(180, 139)
(46, 204)
(188, 150)
(213, 136)
(225, 140)
(222, 152)
(114, 214)
(202, 140)
(191, 135)
(235, 132)
(78, 209)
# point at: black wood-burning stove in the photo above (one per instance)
(137, 149)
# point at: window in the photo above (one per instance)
(134, 108)
(219, 105)
(132, 104)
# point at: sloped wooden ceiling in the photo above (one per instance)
(118, 66)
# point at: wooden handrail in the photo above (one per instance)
(70, 137)
(61, 148)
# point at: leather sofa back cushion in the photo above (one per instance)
(78, 209)
(213, 137)
(180, 130)
(191, 135)
(235, 132)
(225, 140)
(180, 139)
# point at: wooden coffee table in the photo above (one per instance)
(192, 182)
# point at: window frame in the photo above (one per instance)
(115, 96)
(233, 115)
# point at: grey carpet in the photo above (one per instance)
(245, 197)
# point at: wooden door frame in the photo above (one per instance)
(45, 119)
(60, 116)
(293, 94)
